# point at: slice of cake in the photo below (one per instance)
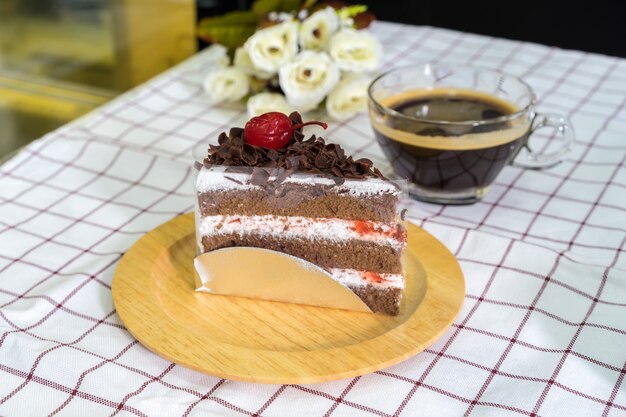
(306, 198)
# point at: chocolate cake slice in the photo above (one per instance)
(307, 199)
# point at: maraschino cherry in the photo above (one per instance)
(272, 130)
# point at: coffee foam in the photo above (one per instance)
(517, 127)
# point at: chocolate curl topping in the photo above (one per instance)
(312, 155)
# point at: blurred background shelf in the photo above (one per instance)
(60, 59)
(31, 107)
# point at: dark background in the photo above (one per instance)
(594, 26)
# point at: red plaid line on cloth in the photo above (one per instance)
(543, 328)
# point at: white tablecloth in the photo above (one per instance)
(542, 330)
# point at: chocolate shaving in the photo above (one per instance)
(282, 175)
(249, 155)
(236, 132)
(259, 177)
(233, 180)
(323, 161)
(237, 169)
(336, 172)
(312, 155)
(272, 155)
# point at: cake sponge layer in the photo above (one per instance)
(380, 299)
(380, 292)
(303, 200)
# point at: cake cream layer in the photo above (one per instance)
(224, 193)
(330, 243)
(214, 179)
(332, 229)
(355, 278)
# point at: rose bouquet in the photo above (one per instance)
(299, 57)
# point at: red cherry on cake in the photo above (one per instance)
(272, 130)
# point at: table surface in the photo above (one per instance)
(542, 330)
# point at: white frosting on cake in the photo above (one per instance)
(215, 178)
(302, 227)
(354, 278)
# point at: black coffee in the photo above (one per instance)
(449, 157)
(453, 109)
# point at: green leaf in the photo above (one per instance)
(230, 30)
(263, 7)
(352, 11)
(308, 4)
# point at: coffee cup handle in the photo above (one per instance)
(526, 158)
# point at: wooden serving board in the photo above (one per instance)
(269, 342)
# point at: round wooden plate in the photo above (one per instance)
(269, 342)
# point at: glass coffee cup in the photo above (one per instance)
(451, 129)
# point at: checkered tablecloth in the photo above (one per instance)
(542, 331)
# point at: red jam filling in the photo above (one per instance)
(366, 228)
(373, 277)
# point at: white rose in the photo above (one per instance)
(226, 84)
(355, 51)
(272, 47)
(267, 102)
(348, 98)
(316, 30)
(242, 60)
(217, 54)
(346, 22)
(308, 79)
